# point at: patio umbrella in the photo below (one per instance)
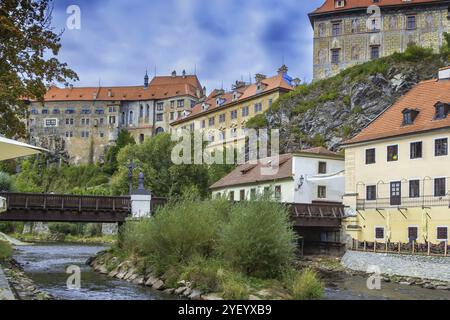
(11, 149)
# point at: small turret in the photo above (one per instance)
(146, 78)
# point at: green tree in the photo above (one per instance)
(28, 50)
(124, 138)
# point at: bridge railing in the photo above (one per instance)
(317, 210)
(66, 202)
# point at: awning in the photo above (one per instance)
(322, 177)
(11, 149)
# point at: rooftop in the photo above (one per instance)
(423, 99)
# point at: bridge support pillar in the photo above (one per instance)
(141, 200)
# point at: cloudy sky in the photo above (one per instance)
(223, 40)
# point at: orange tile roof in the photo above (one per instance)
(159, 88)
(329, 5)
(422, 97)
(321, 151)
(246, 92)
(252, 173)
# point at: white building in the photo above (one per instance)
(310, 176)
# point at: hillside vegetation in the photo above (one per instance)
(327, 112)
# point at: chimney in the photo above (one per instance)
(444, 73)
(259, 77)
(283, 70)
(110, 93)
(239, 84)
(174, 73)
(146, 78)
(184, 73)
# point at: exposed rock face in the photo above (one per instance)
(340, 108)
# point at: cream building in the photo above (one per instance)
(397, 170)
(223, 116)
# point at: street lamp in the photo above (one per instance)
(130, 175)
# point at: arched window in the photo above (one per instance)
(130, 121)
(159, 130)
(123, 118)
(141, 111)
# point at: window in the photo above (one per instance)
(441, 147)
(34, 111)
(44, 111)
(322, 167)
(335, 56)
(85, 134)
(147, 113)
(172, 104)
(112, 119)
(70, 111)
(439, 187)
(222, 118)
(270, 103)
(370, 156)
(245, 112)
(253, 194)
(172, 116)
(141, 138)
(180, 103)
(242, 195)
(86, 111)
(258, 107)
(321, 192)
(101, 121)
(51, 123)
(409, 115)
(396, 193)
(99, 111)
(203, 124)
(130, 121)
(231, 195)
(102, 134)
(160, 106)
(413, 233)
(112, 109)
(193, 103)
(278, 193)
(69, 134)
(411, 22)
(336, 29)
(56, 111)
(192, 126)
(379, 233)
(416, 150)
(442, 233)
(355, 24)
(339, 3)
(141, 111)
(442, 111)
(371, 193)
(392, 153)
(159, 117)
(69, 122)
(234, 114)
(233, 132)
(414, 189)
(211, 121)
(374, 52)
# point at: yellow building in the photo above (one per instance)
(397, 169)
(222, 116)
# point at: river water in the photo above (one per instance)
(46, 265)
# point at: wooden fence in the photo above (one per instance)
(412, 248)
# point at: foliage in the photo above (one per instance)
(204, 273)
(5, 250)
(27, 59)
(29, 179)
(66, 228)
(258, 240)
(234, 286)
(123, 139)
(177, 233)
(304, 285)
(6, 182)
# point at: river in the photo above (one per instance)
(46, 265)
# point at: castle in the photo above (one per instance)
(350, 32)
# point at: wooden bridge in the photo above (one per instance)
(317, 214)
(29, 207)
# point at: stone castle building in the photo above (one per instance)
(85, 121)
(349, 32)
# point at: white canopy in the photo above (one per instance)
(322, 177)
(11, 149)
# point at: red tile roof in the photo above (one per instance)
(246, 92)
(250, 173)
(329, 5)
(423, 97)
(159, 88)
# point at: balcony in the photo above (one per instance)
(399, 203)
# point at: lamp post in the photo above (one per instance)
(130, 175)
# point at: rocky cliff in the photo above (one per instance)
(330, 111)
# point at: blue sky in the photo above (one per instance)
(225, 40)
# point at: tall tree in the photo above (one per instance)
(28, 50)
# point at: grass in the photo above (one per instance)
(5, 250)
(304, 285)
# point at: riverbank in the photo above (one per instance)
(60, 238)
(19, 286)
(107, 263)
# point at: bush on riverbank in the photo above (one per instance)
(217, 246)
(305, 285)
(5, 250)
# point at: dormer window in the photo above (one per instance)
(205, 106)
(259, 87)
(339, 3)
(442, 110)
(235, 96)
(409, 115)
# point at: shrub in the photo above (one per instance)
(203, 273)
(5, 250)
(234, 287)
(93, 230)
(177, 232)
(6, 183)
(259, 240)
(305, 285)
(73, 229)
